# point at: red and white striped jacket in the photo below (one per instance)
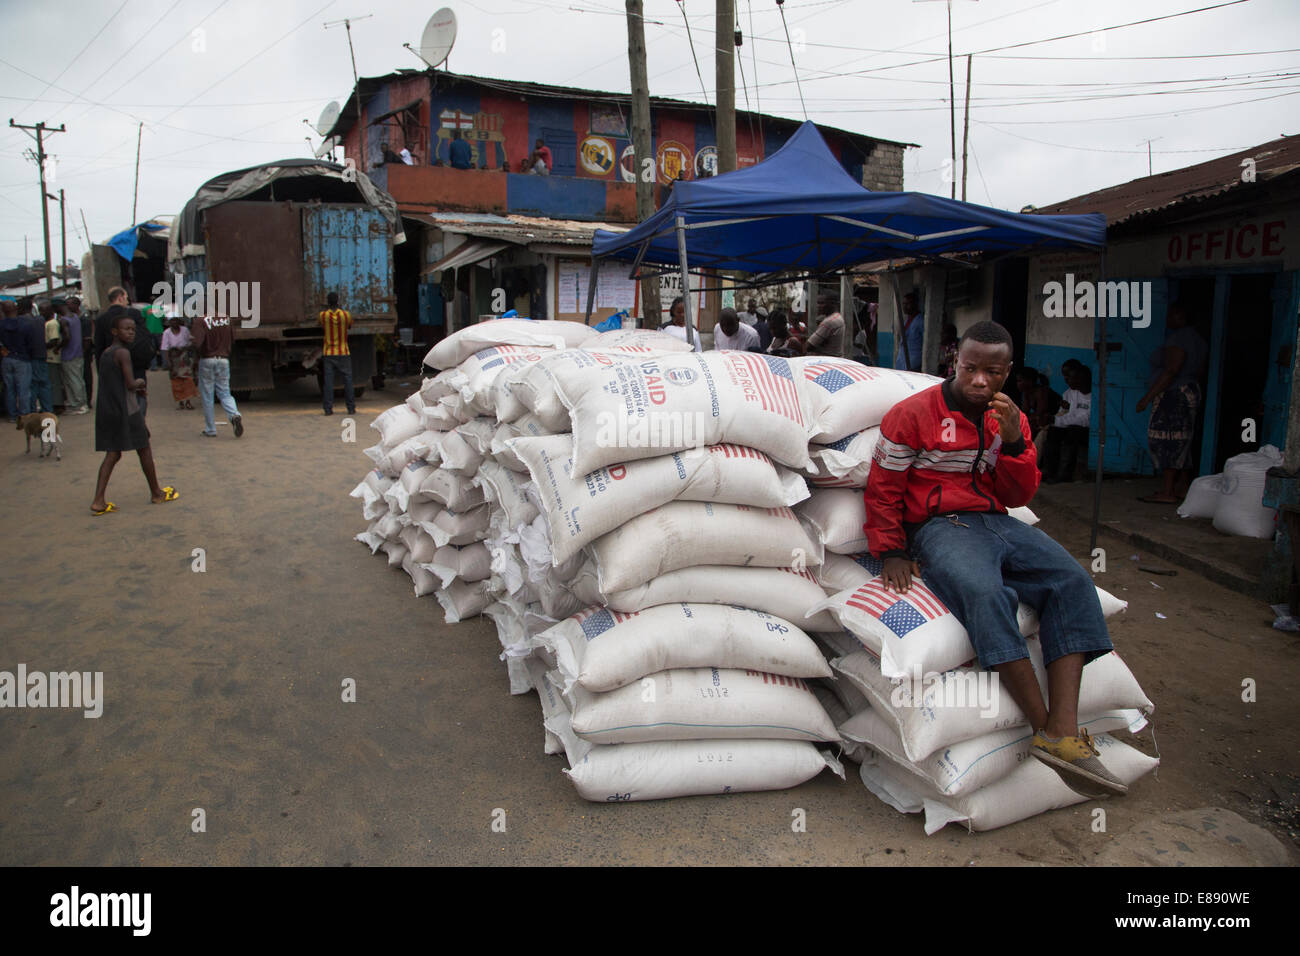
(933, 460)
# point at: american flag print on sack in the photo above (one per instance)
(833, 377)
(595, 621)
(900, 613)
(773, 383)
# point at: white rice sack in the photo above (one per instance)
(538, 333)
(578, 511)
(661, 405)
(457, 455)
(412, 449)
(388, 527)
(527, 425)
(783, 592)
(467, 562)
(419, 543)
(476, 376)
(683, 768)
(684, 534)
(460, 527)
(840, 516)
(700, 703)
(371, 492)
(1028, 790)
(395, 550)
(915, 633)
(455, 491)
(839, 572)
(462, 600)
(439, 386)
(940, 710)
(478, 433)
(415, 402)
(370, 539)
(440, 417)
(845, 396)
(396, 425)
(971, 764)
(603, 650)
(844, 463)
(537, 389)
(635, 342)
(505, 489)
(421, 577)
(1203, 497)
(535, 549)
(413, 475)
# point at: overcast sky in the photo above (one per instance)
(222, 84)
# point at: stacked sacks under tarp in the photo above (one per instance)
(924, 722)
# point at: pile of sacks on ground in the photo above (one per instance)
(670, 546)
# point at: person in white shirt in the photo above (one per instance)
(179, 358)
(731, 333)
(1066, 447)
(677, 327)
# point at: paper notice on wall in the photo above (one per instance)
(670, 287)
(614, 290)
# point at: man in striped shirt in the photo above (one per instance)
(335, 356)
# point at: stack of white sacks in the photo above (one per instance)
(636, 519)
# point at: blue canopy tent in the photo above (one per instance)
(800, 214)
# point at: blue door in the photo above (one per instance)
(348, 250)
(431, 307)
(1128, 372)
(1281, 351)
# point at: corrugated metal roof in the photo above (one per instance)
(1150, 194)
(521, 230)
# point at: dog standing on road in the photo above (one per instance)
(46, 425)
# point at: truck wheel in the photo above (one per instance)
(242, 395)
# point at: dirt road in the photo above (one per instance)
(223, 694)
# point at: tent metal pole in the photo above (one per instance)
(591, 289)
(686, 281)
(1101, 424)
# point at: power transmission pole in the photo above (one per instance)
(41, 129)
(645, 198)
(965, 132)
(63, 233)
(726, 82)
(136, 193)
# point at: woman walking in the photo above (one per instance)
(182, 360)
(1175, 398)
(119, 422)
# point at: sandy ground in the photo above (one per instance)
(223, 692)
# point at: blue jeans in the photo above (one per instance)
(18, 386)
(343, 365)
(214, 378)
(983, 565)
(41, 386)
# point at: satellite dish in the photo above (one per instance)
(326, 148)
(438, 38)
(328, 117)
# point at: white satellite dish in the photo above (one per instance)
(438, 38)
(328, 117)
(326, 148)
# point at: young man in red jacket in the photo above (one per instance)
(950, 461)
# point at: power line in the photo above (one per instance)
(71, 60)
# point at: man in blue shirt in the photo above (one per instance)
(911, 335)
(459, 154)
(16, 364)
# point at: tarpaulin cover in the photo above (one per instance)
(798, 210)
(124, 242)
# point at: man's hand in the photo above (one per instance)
(1008, 416)
(898, 573)
(140, 386)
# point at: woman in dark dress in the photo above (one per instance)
(119, 422)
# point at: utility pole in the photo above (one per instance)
(965, 132)
(41, 129)
(725, 57)
(641, 147)
(136, 193)
(356, 85)
(63, 233)
(952, 104)
(85, 229)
